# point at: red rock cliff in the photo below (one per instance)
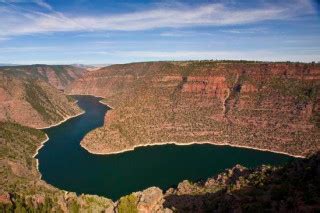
(272, 106)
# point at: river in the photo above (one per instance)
(66, 165)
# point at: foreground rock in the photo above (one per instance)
(147, 201)
(270, 106)
(264, 189)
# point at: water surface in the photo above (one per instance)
(66, 165)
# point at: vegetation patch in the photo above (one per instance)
(128, 204)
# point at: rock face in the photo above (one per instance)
(272, 106)
(263, 189)
(150, 201)
(27, 99)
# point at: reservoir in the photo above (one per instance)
(64, 164)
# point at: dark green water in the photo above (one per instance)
(66, 165)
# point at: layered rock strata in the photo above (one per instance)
(267, 106)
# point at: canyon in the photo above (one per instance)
(267, 106)
(32, 96)
(242, 189)
(261, 105)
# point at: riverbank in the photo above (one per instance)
(64, 120)
(179, 144)
(94, 171)
(186, 144)
(175, 143)
(97, 96)
(37, 151)
(47, 138)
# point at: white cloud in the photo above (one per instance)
(40, 3)
(184, 33)
(245, 30)
(20, 21)
(43, 4)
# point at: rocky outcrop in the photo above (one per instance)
(263, 189)
(269, 106)
(239, 189)
(151, 201)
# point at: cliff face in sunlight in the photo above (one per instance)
(272, 106)
(33, 100)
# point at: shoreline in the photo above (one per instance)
(57, 124)
(97, 96)
(187, 144)
(37, 152)
(64, 120)
(176, 143)
(47, 137)
(165, 143)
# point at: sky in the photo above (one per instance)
(119, 31)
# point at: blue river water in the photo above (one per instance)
(66, 165)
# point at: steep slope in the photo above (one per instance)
(58, 76)
(32, 102)
(273, 106)
(21, 189)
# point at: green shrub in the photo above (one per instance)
(128, 204)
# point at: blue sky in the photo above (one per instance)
(117, 31)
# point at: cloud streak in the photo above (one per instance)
(43, 4)
(19, 21)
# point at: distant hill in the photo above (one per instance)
(90, 67)
(3, 64)
(84, 66)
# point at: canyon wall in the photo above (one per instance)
(262, 105)
(31, 96)
(58, 76)
(272, 106)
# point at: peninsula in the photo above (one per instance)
(260, 105)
